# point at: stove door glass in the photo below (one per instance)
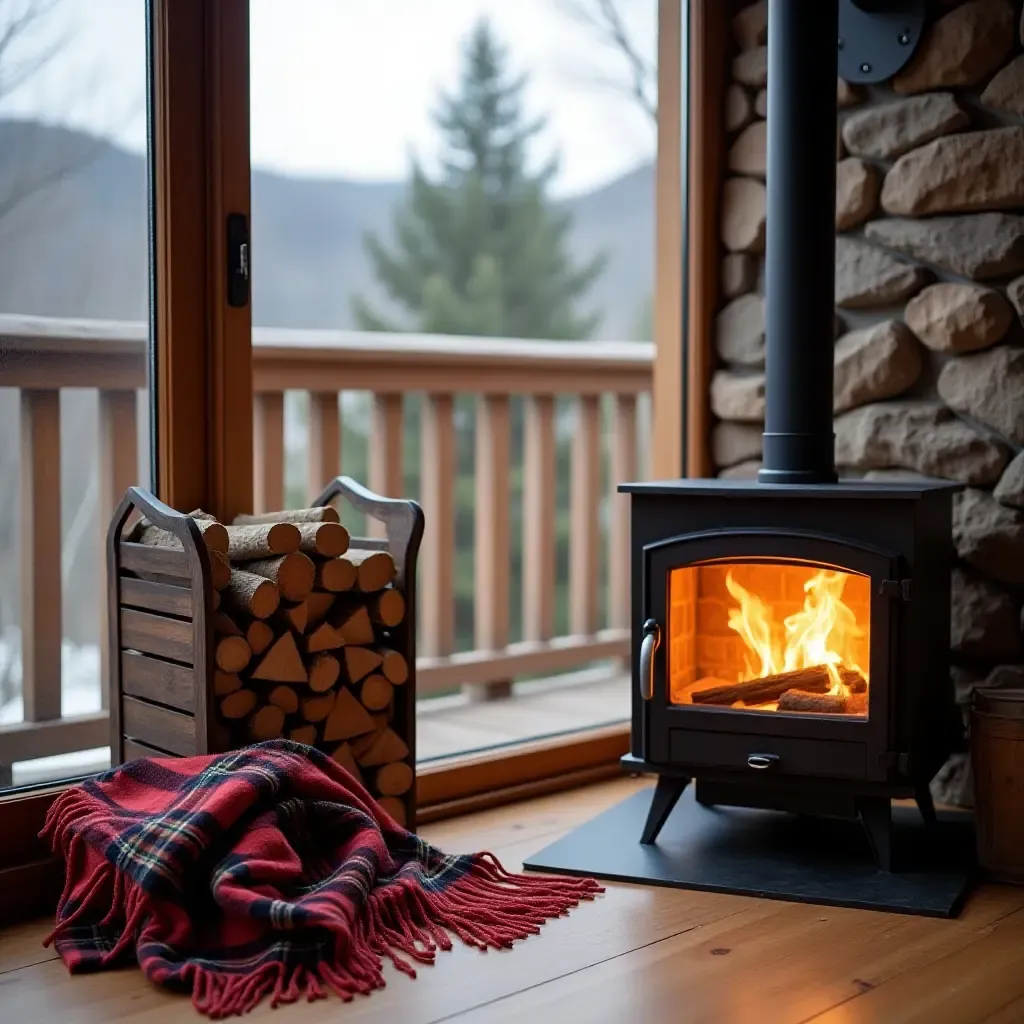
(769, 636)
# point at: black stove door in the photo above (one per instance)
(768, 653)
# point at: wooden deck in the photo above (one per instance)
(582, 700)
(658, 956)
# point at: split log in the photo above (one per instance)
(360, 662)
(259, 636)
(387, 608)
(388, 747)
(225, 683)
(394, 667)
(768, 688)
(394, 779)
(297, 616)
(374, 569)
(293, 574)
(303, 734)
(316, 709)
(317, 514)
(336, 575)
(857, 704)
(224, 625)
(285, 698)
(344, 756)
(395, 809)
(822, 703)
(237, 705)
(376, 693)
(266, 724)
(246, 543)
(362, 744)
(198, 513)
(318, 604)
(215, 535)
(323, 672)
(232, 654)
(323, 638)
(328, 540)
(353, 624)
(220, 570)
(348, 718)
(282, 663)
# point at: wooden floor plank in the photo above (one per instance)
(800, 961)
(637, 953)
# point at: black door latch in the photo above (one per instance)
(238, 260)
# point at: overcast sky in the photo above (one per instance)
(345, 87)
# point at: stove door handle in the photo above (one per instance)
(762, 761)
(652, 638)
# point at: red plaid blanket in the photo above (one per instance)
(270, 870)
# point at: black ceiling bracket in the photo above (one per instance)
(877, 37)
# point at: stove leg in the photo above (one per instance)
(876, 816)
(923, 796)
(666, 795)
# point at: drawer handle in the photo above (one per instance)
(762, 761)
(652, 638)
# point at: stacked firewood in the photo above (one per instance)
(303, 642)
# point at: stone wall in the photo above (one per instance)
(929, 363)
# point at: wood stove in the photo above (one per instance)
(791, 636)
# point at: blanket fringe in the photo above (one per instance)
(488, 907)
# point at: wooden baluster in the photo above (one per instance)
(40, 555)
(385, 452)
(119, 470)
(324, 440)
(623, 469)
(268, 441)
(539, 518)
(491, 539)
(584, 518)
(437, 554)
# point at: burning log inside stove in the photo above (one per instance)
(822, 703)
(808, 681)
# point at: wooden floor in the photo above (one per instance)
(638, 954)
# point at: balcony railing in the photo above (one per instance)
(604, 381)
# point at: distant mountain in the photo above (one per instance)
(78, 246)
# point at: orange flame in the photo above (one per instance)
(823, 632)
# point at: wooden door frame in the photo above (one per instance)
(201, 360)
(688, 172)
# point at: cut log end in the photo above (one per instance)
(375, 569)
(238, 705)
(316, 709)
(262, 541)
(286, 699)
(232, 654)
(394, 779)
(293, 574)
(336, 575)
(323, 673)
(267, 723)
(259, 636)
(282, 663)
(303, 734)
(328, 540)
(394, 667)
(395, 809)
(376, 693)
(250, 593)
(389, 608)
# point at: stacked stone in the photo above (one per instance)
(929, 362)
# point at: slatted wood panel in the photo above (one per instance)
(156, 597)
(491, 548)
(539, 518)
(324, 440)
(40, 545)
(437, 553)
(268, 452)
(156, 634)
(163, 728)
(143, 559)
(158, 680)
(134, 749)
(623, 470)
(584, 535)
(118, 469)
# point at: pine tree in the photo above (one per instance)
(481, 250)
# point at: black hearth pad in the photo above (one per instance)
(773, 855)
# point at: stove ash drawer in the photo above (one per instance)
(768, 756)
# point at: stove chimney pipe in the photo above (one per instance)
(799, 443)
